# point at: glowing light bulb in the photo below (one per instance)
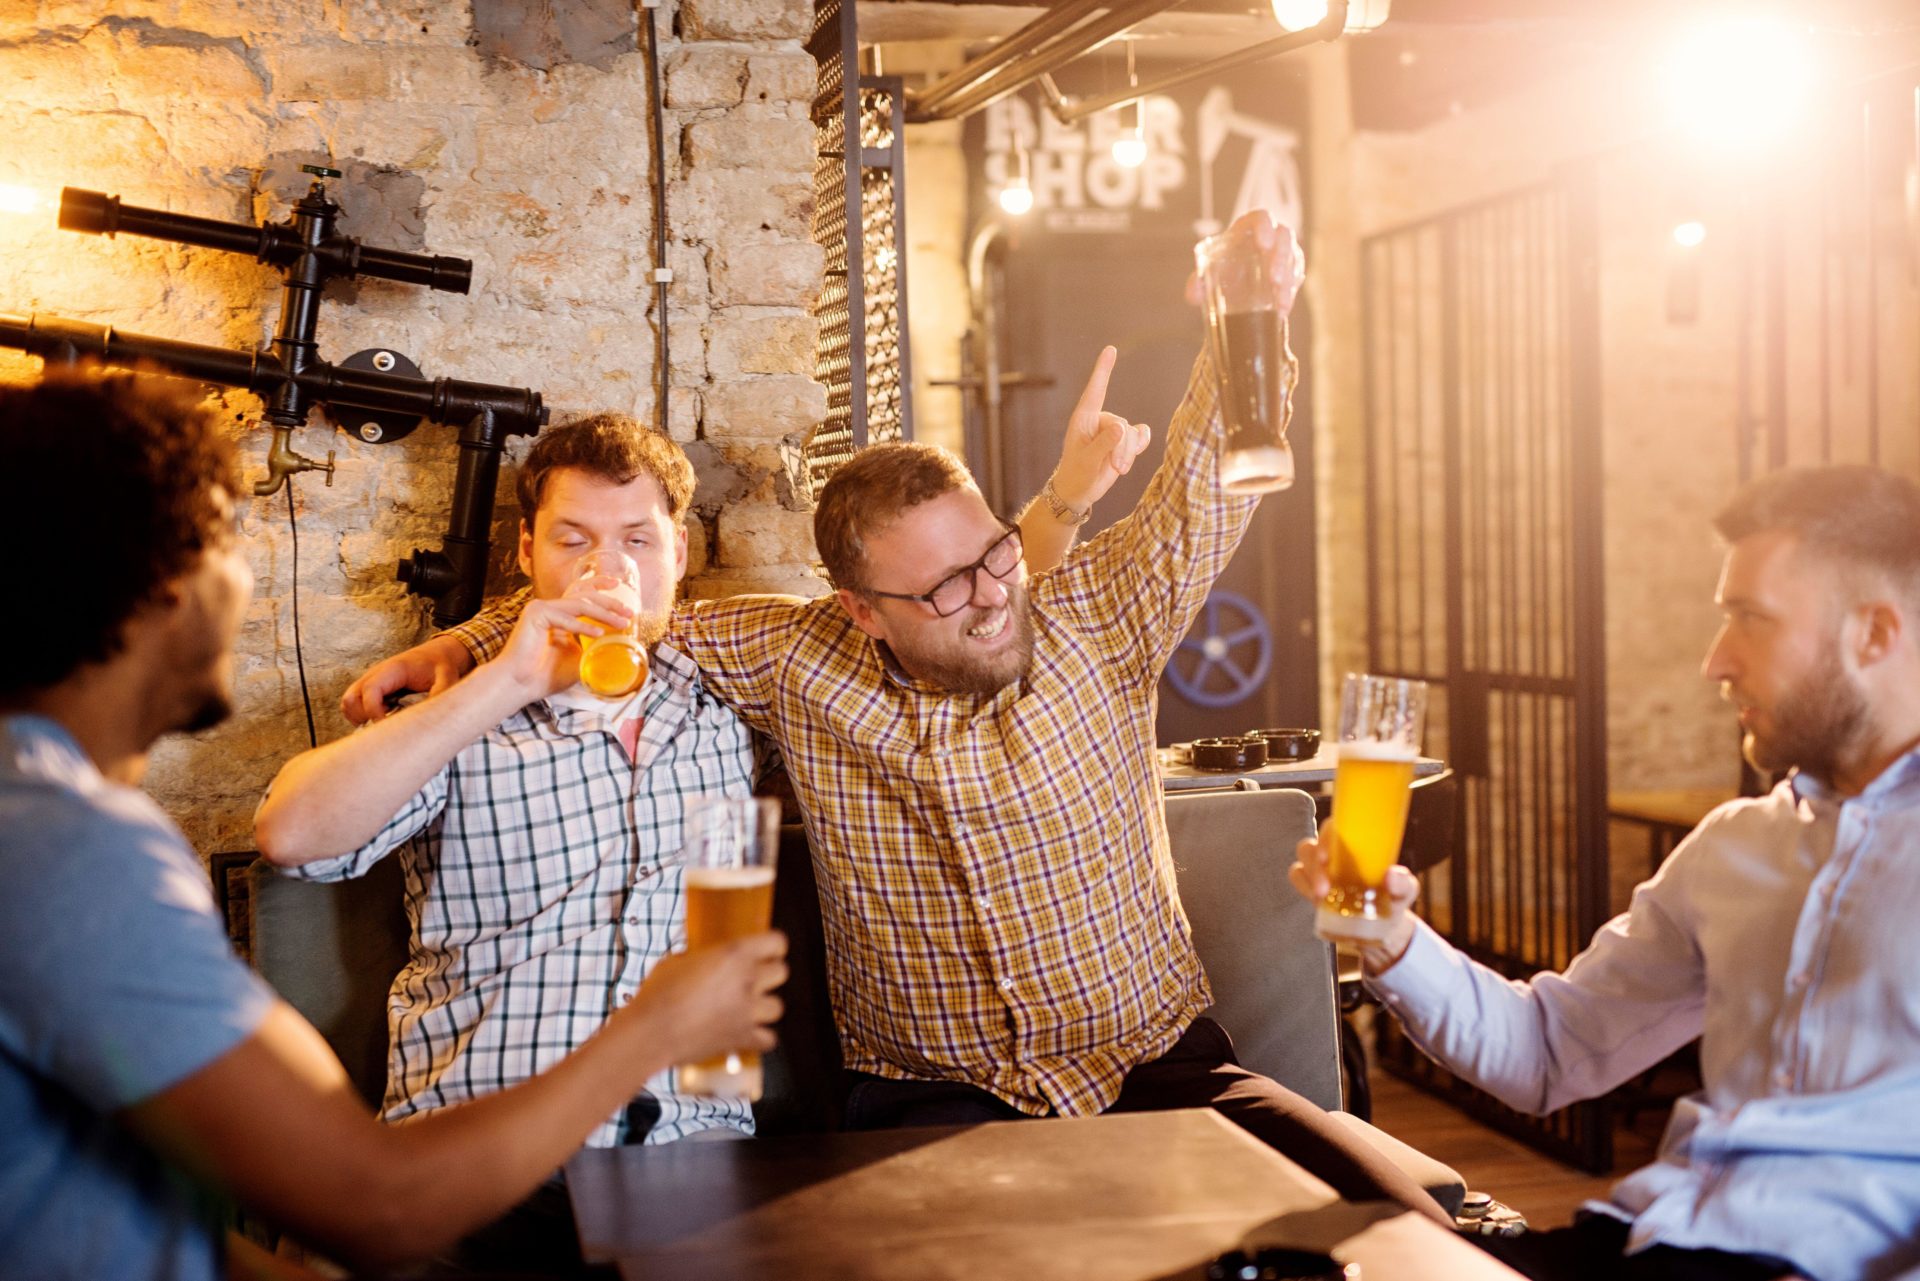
(20, 200)
(1298, 15)
(1017, 197)
(1130, 149)
(1690, 235)
(1738, 83)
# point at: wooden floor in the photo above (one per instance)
(1540, 1188)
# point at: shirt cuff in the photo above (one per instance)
(1420, 980)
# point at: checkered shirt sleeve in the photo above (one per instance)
(542, 890)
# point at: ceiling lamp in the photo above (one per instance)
(1301, 15)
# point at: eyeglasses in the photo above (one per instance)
(951, 594)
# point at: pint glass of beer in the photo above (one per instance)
(1381, 719)
(731, 843)
(1248, 336)
(614, 663)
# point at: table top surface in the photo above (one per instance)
(1107, 1198)
(1314, 769)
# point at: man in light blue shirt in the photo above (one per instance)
(147, 1079)
(1782, 932)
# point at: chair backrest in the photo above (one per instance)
(332, 952)
(1272, 978)
(802, 1089)
(1431, 805)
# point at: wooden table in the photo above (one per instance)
(1314, 769)
(1109, 1198)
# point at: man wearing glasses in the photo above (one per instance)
(1003, 933)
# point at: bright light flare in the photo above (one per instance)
(1739, 82)
(1298, 15)
(23, 200)
(1130, 150)
(1690, 235)
(1017, 197)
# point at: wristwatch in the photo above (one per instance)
(1062, 510)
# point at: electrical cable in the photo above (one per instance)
(299, 657)
(648, 13)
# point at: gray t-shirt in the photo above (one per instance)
(116, 982)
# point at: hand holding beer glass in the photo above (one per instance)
(1381, 719)
(614, 663)
(729, 859)
(1247, 289)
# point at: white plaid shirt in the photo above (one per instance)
(538, 885)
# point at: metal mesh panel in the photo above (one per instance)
(860, 356)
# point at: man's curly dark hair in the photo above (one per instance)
(109, 480)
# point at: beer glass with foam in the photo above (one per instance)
(1381, 719)
(614, 663)
(1247, 333)
(730, 846)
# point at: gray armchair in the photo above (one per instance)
(1272, 979)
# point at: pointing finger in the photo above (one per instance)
(1086, 414)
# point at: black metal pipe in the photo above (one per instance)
(274, 243)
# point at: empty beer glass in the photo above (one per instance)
(1381, 719)
(1247, 333)
(614, 663)
(729, 858)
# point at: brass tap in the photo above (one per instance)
(282, 462)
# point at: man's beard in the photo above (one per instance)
(950, 666)
(1815, 724)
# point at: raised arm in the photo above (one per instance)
(1099, 449)
(275, 1122)
(334, 799)
(435, 664)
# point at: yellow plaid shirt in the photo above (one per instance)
(998, 897)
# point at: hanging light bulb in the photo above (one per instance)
(1298, 15)
(1017, 196)
(22, 200)
(1130, 148)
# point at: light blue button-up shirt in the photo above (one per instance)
(1785, 934)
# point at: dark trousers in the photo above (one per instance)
(1592, 1249)
(1200, 1071)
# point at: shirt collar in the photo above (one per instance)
(1903, 773)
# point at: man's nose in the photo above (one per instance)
(988, 591)
(1718, 664)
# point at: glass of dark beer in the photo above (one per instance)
(1247, 332)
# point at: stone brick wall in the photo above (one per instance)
(510, 132)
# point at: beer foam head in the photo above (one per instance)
(1374, 749)
(729, 878)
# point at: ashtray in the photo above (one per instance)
(1288, 744)
(1241, 752)
(1275, 1263)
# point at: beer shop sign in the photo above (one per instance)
(1208, 159)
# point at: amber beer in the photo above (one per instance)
(729, 887)
(723, 904)
(1380, 723)
(612, 664)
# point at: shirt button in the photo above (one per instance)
(1006, 985)
(981, 901)
(959, 827)
(633, 920)
(1783, 1078)
(625, 997)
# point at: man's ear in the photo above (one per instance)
(861, 611)
(526, 546)
(1879, 630)
(679, 552)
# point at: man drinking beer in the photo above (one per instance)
(1002, 942)
(1781, 933)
